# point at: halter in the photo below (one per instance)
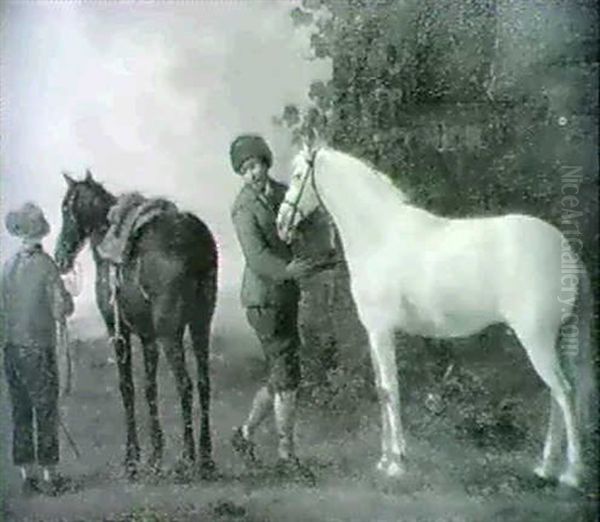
(294, 205)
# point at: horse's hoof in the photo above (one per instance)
(542, 472)
(209, 475)
(391, 467)
(131, 471)
(383, 464)
(207, 469)
(183, 471)
(132, 460)
(570, 478)
(155, 467)
(395, 469)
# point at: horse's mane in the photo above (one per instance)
(96, 188)
(382, 186)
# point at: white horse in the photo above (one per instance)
(436, 277)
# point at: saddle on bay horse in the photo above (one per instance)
(126, 218)
(130, 213)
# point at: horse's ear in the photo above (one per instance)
(70, 181)
(312, 142)
(88, 175)
(305, 147)
(319, 141)
(310, 139)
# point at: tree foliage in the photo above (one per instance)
(473, 107)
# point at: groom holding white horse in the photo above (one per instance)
(270, 296)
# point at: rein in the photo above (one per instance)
(114, 283)
(294, 205)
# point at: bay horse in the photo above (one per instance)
(168, 282)
(436, 277)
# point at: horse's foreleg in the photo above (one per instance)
(385, 424)
(200, 333)
(122, 348)
(173, 349)
(151, 355)
(393, 443)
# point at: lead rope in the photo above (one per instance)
(64, 352)
(114, 275)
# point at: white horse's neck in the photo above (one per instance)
(365, 206)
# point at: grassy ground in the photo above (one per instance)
(471, 447)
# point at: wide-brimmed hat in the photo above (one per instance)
(27, 222)
(249, 146)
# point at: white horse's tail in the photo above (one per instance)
(579, 349)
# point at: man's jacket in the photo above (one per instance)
(33, 299)
(265, 281)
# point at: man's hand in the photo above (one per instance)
(299, 268)
(330, 260)
(73, 280)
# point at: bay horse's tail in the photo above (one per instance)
(201, 297)
(202, 280)
(202, 266)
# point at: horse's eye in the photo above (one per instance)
(67, 203)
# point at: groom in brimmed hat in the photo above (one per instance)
(270, 296)
(33, 300)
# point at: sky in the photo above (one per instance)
(148, 96)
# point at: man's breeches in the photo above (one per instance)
(277, 332)
(32, 378)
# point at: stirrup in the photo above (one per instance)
(118, 338)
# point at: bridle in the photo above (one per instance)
(294, 205)
(81, 231)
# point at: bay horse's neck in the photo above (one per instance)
(102, 204)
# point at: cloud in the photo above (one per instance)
(149, 97)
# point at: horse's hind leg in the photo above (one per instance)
(174, 352)
(151, 355)
(541, 346)
(200, 333)
(553, 444)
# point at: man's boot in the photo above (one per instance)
(30, 480)
(288, 465)
(285, 419)
(242, 436)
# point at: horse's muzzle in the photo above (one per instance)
(63, 263)
(284, 231)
